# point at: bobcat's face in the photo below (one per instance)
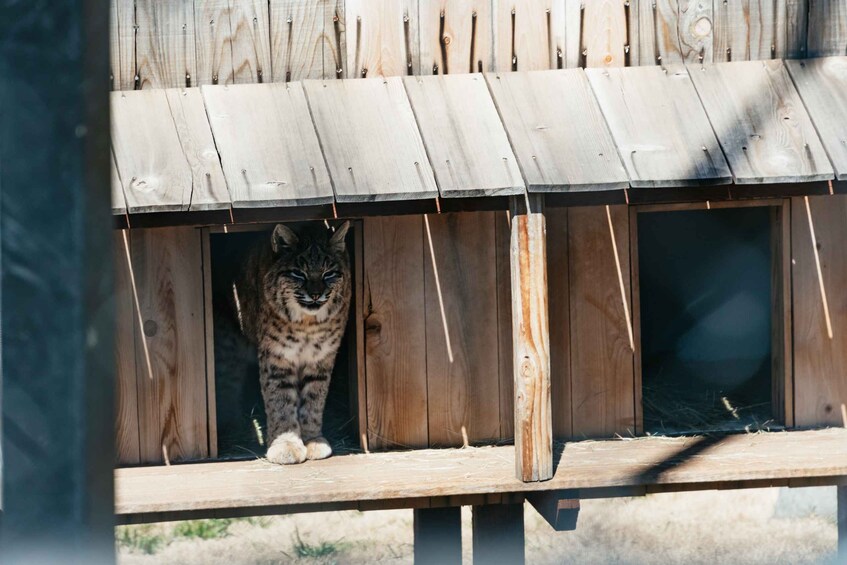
(310, 269)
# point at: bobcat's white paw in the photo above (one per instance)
(287, 450)
(318, 448)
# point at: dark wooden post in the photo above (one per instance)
(531, 341)
(438, 536)
(498, 534)
(56, 282)
(842, 524)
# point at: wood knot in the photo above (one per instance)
(150, 328)
(372, 324)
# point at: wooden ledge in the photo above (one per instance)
(398, 479)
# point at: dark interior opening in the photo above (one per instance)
(240, 412)
(706, 294)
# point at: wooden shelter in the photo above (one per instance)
(497, 158)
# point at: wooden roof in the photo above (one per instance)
(324, 148)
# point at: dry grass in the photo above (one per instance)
(709, 527)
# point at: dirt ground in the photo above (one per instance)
(740, 527)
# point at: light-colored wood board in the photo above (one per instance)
(695, 29)
(461, 361)
(307, 39)
(456, 36)
(172, 412)
(468, 150)
(699, 462)
(382, 38)
(251, 48)
(126, 326)
(572, 52)
(122, 44)
(820, 363)
(827, 28)
(502, 233)
(164, 44)
(283, 164)
(370, 140)
(644, 45)
(395, 332)
(152, 167)
(209, 190)
(213, 43)
(759, 118)
(749, 30)
(529, 34)
(659, 126)
(531, 342)
(118, 199)
(557, 131)
(560, 335)
(602, 378)
(604, 25)
(821, 84)
(672, 31)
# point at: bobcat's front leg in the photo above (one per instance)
(280, 393)
(313, 389)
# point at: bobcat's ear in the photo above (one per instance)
(283, 236)
(337, 239)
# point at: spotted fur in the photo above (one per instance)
(292, 301)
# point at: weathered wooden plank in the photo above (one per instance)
(827, 34)
(498, 534)
(208, 321)
(461, 329)
(502, 232)
(758, 116)
(213, 42)
(209, 190)
(660, 128)
(604, 26)
(282, 165)
(530, 35)
(469, 151)
(796, 28)
(126, 324)
(251, 47)
(456, 36)
(531, 343)
(821, 84)
(370, 140)
(382, 38)
(560, 509)
(560, 335)
(748, 30)
(601, 352)
(557, 131)
(164, 44)
(151, 165)
(395, 332)
(118, 199)
(820, 361)
(122, 44)
(171, 349)
(782, 348)
(697, 462)
(307, 39)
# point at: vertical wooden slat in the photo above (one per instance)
(172, 390)
(530, 34)
(636, 321)
(165, 44)
(498, 534)
(456, 36)
(463, 391)
(208, 321)
(307, 39)
(559, 298)
(782, 402)
(382, 38)
(395, 332)
(122, 44)
(358, 343)
(827, 32)
(126, 394)
(251, 47)
(504, 324)
(213, 42)
(601, 356)
(438, 536)
(572, 54)
(796, 27)
(841, 502)
(749, 30)
(604, 33)
(675, 31)
(820, 363)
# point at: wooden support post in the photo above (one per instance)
(438, 535)
(498, 534)
(842, 524)
(560, 508)
(531, 341)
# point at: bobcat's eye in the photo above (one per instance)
(297, 275)
(330, 276)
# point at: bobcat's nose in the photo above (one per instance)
(316, 296)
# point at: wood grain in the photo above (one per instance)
(821, 83)
(126, 325)
(148, 154)
(283, 166)
(213, 44)
(468, 151)
(796, 28)
(463, 392)
(559, 307)
(659, 126)
(604, 33)
(395, 332)
(250, 27)
(307, 39)
(165, 44)
(122, 44)
(172, 412)
(382, 38)
(827, 34)
(557, 131)
(370, 140)
(188, 112)
(819, 362)
(749, 30)
(758, 116)
(602, 378)
(502, 235)
(456, 36)
(530, 34)
(118, 199)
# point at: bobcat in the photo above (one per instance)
(292, 299)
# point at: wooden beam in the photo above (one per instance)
(498, 534)
(438, 535)
(531, 341)
(560, 508)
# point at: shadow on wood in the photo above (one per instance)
(498, 534)
(560, 508)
